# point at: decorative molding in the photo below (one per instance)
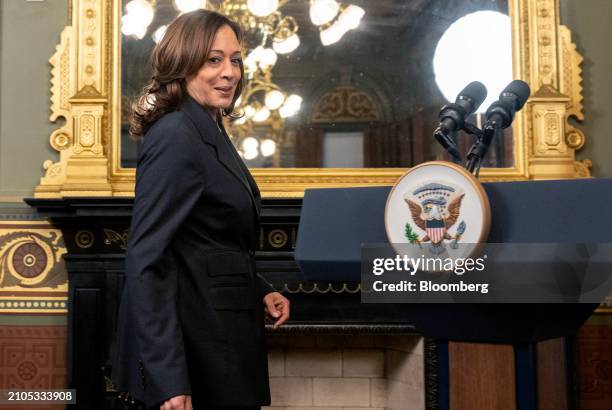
(33, 277)
(345, 104)
(85, 92)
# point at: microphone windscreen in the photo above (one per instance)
(476, 91)
(520, 89)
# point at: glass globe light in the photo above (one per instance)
(287, 45)
(250, 144)
(323, 11)
(250, 154)
(185, 6)
(159, 34)
(332, 34)
(351, 17)
(262, 8)
(267, 58)
(274, 99)
(267, 147)
(142, 11)
(262, 114)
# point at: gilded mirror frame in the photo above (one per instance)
(85, 79)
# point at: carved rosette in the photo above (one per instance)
(31, 261)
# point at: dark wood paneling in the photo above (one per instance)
(482, 376)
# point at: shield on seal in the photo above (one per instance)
(435, 229)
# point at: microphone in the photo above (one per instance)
(501, 113)
(452, 116)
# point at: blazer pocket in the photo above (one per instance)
(230, 284)
(226, 263)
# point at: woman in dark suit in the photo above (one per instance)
(191, 320)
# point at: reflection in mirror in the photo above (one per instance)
(366, 95)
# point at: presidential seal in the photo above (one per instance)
(434, 209)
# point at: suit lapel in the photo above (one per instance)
(210, 133)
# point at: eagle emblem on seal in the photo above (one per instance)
(434, 209)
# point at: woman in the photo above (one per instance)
(191, 321)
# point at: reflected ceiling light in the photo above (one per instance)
(323, 11)
(130, 26)
(274, 99)
(185, 6)
(262, 114)
(291, 106)
(137, 19)
(287, 45)
(251, 154)
(268, 147)
(159, 34)
(458, 59)
(351, 17)
(142, 9)
(267, 58)
(332, 34)
(249, 111)
(250, 144)
(262, 8)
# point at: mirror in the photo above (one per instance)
(369, 100)
(367, 104)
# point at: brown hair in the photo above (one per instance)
(182, 51)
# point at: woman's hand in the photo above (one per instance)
(277, 308)
(177, 403)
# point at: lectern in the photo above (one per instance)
(336, 222)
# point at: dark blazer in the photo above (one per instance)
(191, 313)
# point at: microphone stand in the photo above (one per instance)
(480, 147)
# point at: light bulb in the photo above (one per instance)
(132, 26)
(287, 45)
(268, 147)
(351, 17)
(332, 34)
(142, 10)
(267, 58)
(262, 114)
(323, 11)
(249, 111)
(252, 154)
(250, 144)
(159, 34)
(294, 101)
(185, 6)
(285, 112)
(262, 8)
(274, 99)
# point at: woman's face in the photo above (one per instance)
(214, 85)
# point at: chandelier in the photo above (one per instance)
(263, 104)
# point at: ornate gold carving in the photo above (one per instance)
(84, 239)
(85, 84)
(583, 168)
(345, 104)
(277, 238)
(574, 138)
(30, 260)
(116, 237)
